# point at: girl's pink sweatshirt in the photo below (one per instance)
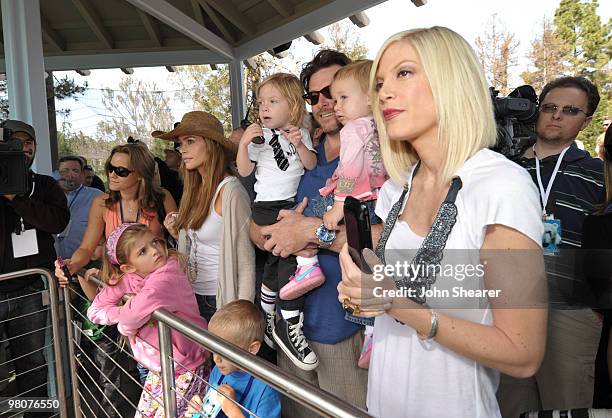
(167, 287)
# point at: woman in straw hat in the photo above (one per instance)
(212, 224)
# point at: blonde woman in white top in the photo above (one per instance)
(441, 354)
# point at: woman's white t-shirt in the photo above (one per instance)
(409, 377)
(203, 248)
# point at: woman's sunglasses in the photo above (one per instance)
(312, 97)
(120, 171)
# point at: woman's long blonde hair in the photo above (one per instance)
(198, 190)
(461, 95)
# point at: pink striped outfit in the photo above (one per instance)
(360, 172)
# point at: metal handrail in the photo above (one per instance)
(305, 393)
(57, 349)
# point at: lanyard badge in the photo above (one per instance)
(552, 227)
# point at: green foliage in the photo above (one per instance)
(64, 88)
(589, 135)
(576, 44)
(579, 26)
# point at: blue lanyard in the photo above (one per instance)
(74, 198)
(244, 394)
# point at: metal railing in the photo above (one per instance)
(55, 329)
(303, 392)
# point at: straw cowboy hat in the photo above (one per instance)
(201, 124)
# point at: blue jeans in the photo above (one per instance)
(23, 320)
(207, 304)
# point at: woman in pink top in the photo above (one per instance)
(133, 196)
(137, 264)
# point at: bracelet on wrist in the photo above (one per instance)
(433, 330)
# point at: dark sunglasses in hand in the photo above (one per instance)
(120, 171)
(566, 110)
(312, 97)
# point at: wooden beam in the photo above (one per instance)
(317, 18)
(165, 12)
(216, 20)
(152, 27)
(283, 7)
(51, 36)
(231, 13)
(95, 23)
(315, 38)
(361, 20)
(197, 12)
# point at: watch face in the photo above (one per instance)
(325, 234)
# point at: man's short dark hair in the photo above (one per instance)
(325, 58)
(581, 83)
(72, 158)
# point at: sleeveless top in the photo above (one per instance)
(203, 249)
(112, 219)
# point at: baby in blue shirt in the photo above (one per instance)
(242, 324)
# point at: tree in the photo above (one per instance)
(589, 41)
(209, 90)
(64, 88)
(547, 57)
(497, 53)
(579, 26)
(137, 108)
(343, 37)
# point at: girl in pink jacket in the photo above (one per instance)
(138, 264)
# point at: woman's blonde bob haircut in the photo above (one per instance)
(290, 88)
(461, 95)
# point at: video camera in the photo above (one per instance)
(516, 116)
(13, 165)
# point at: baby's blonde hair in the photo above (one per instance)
(357, 70)
(290, 88)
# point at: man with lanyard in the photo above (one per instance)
(571, 186)
(79, 198)
(27, 223)
(336, 341)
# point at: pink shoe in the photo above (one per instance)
(303, 281)
(366, 351)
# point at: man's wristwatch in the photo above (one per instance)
(325, 236)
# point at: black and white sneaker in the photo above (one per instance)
(289, 338)
(270, 320)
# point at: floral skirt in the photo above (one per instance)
(187, 384)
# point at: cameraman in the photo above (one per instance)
(27, 223)
(571, 187)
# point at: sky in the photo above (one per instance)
(467, 17)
